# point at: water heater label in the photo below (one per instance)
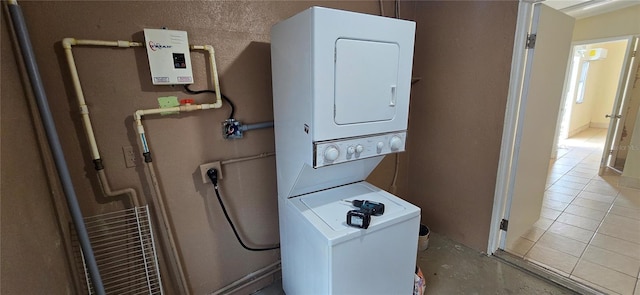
(169, 59)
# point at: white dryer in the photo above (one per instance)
(341, 83)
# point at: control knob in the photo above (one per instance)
(331, 153)
(395, 143)
(351, 150)
(379, 146)
(359, 148)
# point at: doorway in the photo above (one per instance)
(589, 228)
(592, 83)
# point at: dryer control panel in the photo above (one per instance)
(350, 149)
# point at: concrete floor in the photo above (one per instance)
(451, 268)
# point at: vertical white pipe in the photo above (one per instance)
(84, 110)
(167, 232)
(214, 72)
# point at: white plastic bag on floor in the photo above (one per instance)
(418, 282)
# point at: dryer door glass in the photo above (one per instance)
(366, 76)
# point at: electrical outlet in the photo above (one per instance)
(204, 167)
(129, 156)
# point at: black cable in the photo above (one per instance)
(213, 175)
(224, 97)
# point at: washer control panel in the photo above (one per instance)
(349, 149)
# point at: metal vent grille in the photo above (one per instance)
(125, 252)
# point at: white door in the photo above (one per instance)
(540, 104)
(614, 133)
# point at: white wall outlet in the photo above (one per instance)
(204, 167)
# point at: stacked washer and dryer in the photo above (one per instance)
(341, 83)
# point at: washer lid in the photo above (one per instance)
(328, 206)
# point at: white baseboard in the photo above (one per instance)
(630, 182)
(578, 130)
(601, 125)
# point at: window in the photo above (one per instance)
(582, 82)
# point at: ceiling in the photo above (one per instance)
(587, 8)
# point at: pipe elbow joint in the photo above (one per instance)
(209, 48)
(138, 115)
(68, 42)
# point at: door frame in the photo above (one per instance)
(509, 173)
(512, 131)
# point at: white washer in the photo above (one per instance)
(341, 83)
(328, 257)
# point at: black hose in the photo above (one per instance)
(224, 97)
(213, 175)
(54, 142)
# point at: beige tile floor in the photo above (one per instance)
(589, 227)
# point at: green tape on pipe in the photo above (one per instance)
(168, 102)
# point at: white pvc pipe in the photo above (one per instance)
(137, 117)
(259, 156)
(214, 72)
(164, 218)
(394, 187)
(106, 189)
(67, 44)
(176, 263)
(118, 43)
(84, 110)
(86, 120)
(183, 108)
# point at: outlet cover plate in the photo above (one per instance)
(129, 156)
(204, 167)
